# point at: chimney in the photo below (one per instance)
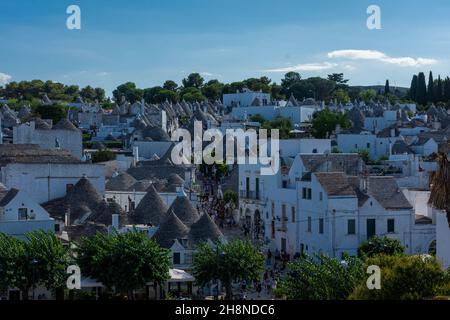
(135, 155)
(115, 221)
(67, 218)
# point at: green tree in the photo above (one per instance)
(52, 259)
(257, 118)
(16, 266)
(236, 260)
(324, 123)
(230, 196)
(289, 79)
(129, 91)
(54, 112)
(41, 259)
(367, 95)
(341, 96)
(387, 88)
(103, 156)
(170, 85)
(380, 245)
(402, 278)
(421, 96)
(439, 90)
(446, 89)
(430, 89)
(213, 90)
(413, 88)
(123, 261)
(194, 80)
(88, 93)
(320, 277)
(192, 94)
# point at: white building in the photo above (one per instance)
(20, 214)
(321, 203)
(245, 98)
(45, 174)
(63, 135)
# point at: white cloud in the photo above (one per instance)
(4, 78)
(103, 73)
(305, 67)
(382, 57)
(206, 74)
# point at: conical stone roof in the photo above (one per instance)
(204, 229)
(151, 209)
(171, 229)
(184, 209)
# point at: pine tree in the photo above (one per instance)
(387, 89)
(413, 88)
(430, 90)
(421, 96)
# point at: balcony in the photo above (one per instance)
(249, 195)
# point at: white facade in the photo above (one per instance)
(22, 215)
(245, 99)
(48, 139)
(47, 181)
(296, 115)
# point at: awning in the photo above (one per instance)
(178, 275)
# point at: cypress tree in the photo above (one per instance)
(413, 89)
(447, 89)
(386, 88)
(421, 96)
(439, 90)
(430, 90)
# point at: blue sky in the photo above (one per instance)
(150, 41)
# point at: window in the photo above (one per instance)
(57, 227)
(391, 225)
(370, 226)
(247, 187)
(368, 145)
(257, 187)
(356, 146)
(283, 212)
(351, 226)
(314, 151)
(293, 214)
(320, 196)
(306, 193)
(321, 225)
(284, 184)
(309, 224)
(23, 214)
(176, 258)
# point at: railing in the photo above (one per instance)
(251, 195)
